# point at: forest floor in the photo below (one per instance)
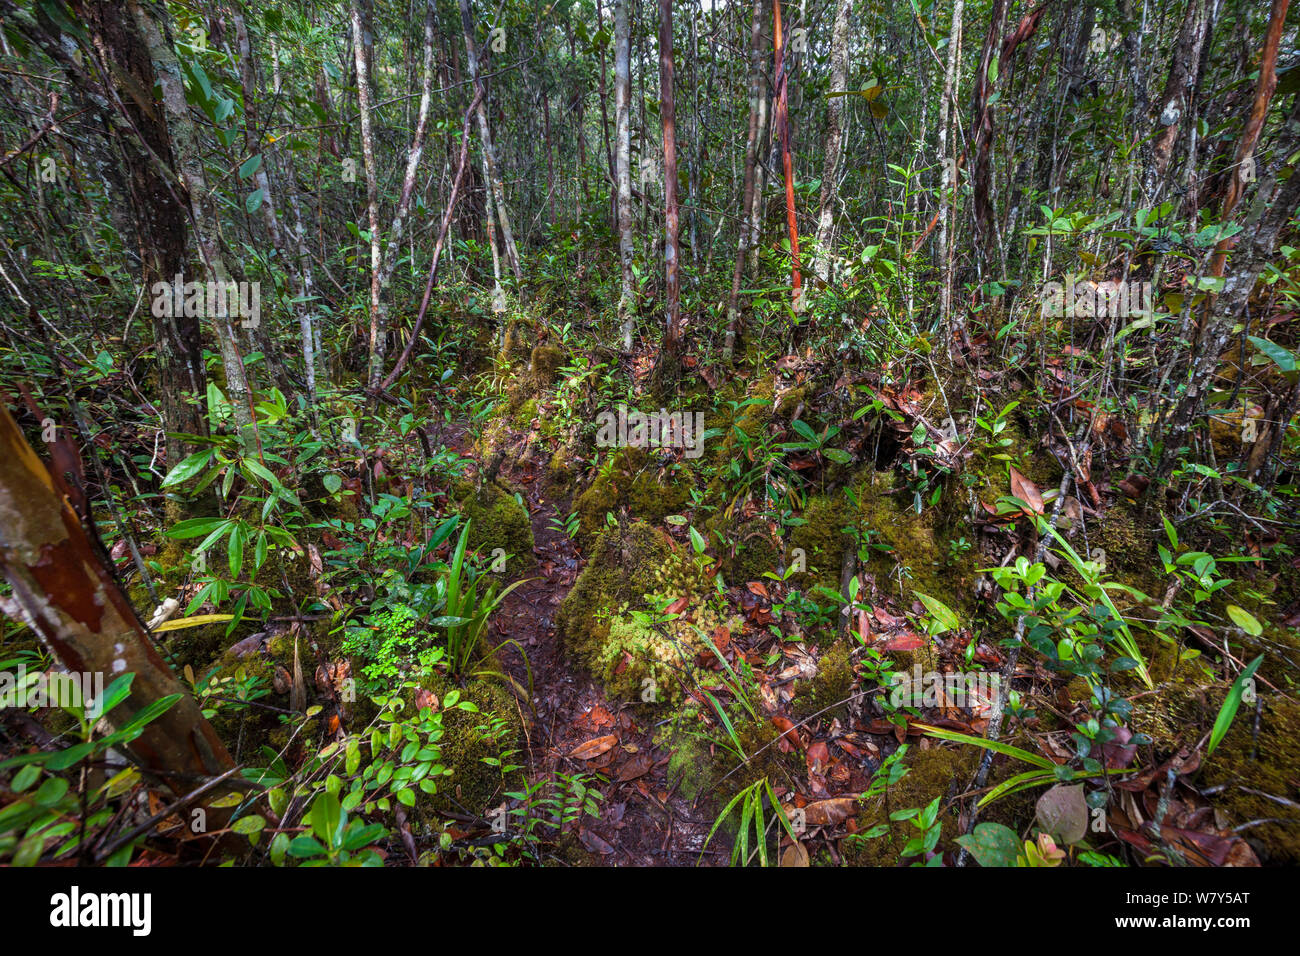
(574, 726)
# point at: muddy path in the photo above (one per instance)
(575, 728)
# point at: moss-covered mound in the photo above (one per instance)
(499, 521)
(634, 481)
(495, 730)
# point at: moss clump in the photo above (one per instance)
(751, 553)
(822, 538)
(468, 737)
(523, 417)
(514, 342)
(651, 663)
(630, 480)
(828, 689)
(499, 521)
(621, 572)
(559, 471)
(545, 364)
(1129, 545)
(1265, 763)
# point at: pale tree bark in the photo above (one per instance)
(64, 593)
(378, 332)
(623, 167)
(672, 223)
(203, 213)
(294, 261)
(835, 108)
(948, 182)
(747, 234)
(489, 154)
(413, 155)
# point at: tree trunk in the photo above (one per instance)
(489, 155)
(623, 167)
(948, 181)
(158, 217)
(65, 594)
(672, 224)
(782, 120)
(835, 108)
(747, 232)
(203, 214)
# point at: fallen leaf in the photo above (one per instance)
(594, 747)
(829, 812)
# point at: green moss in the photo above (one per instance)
(1265, 763)
(750, 552)
(499, 521)
(620, 571)
(822, 538)
(523, 417)
(545, 363)
(650, 663)
(827, 690)
(630, 480)
(559, 471)
(473, 786)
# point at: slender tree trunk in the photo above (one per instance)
(1255, 245)
(203, 214)
(378, 332)
(782, 120)
(489, 154)
(1173, 105)
(623, 167)
(672, 223)
(835, 107)
(158, 217)
(987, 241)
(747, 232)
(948, 182)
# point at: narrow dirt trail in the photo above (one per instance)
(643, 821)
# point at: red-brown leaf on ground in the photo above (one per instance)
(789, 738)
(639, 765)
(594, 843)
(819, 755)
(1026, 491)
(759, 588)
(906, 640)
(593, 748)
(599, 716)
(829, 812)
(678, 606)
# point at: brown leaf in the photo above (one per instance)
(795, 855)
(1026, 491)
(638, 766)
(829, 812)
(593, 747)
